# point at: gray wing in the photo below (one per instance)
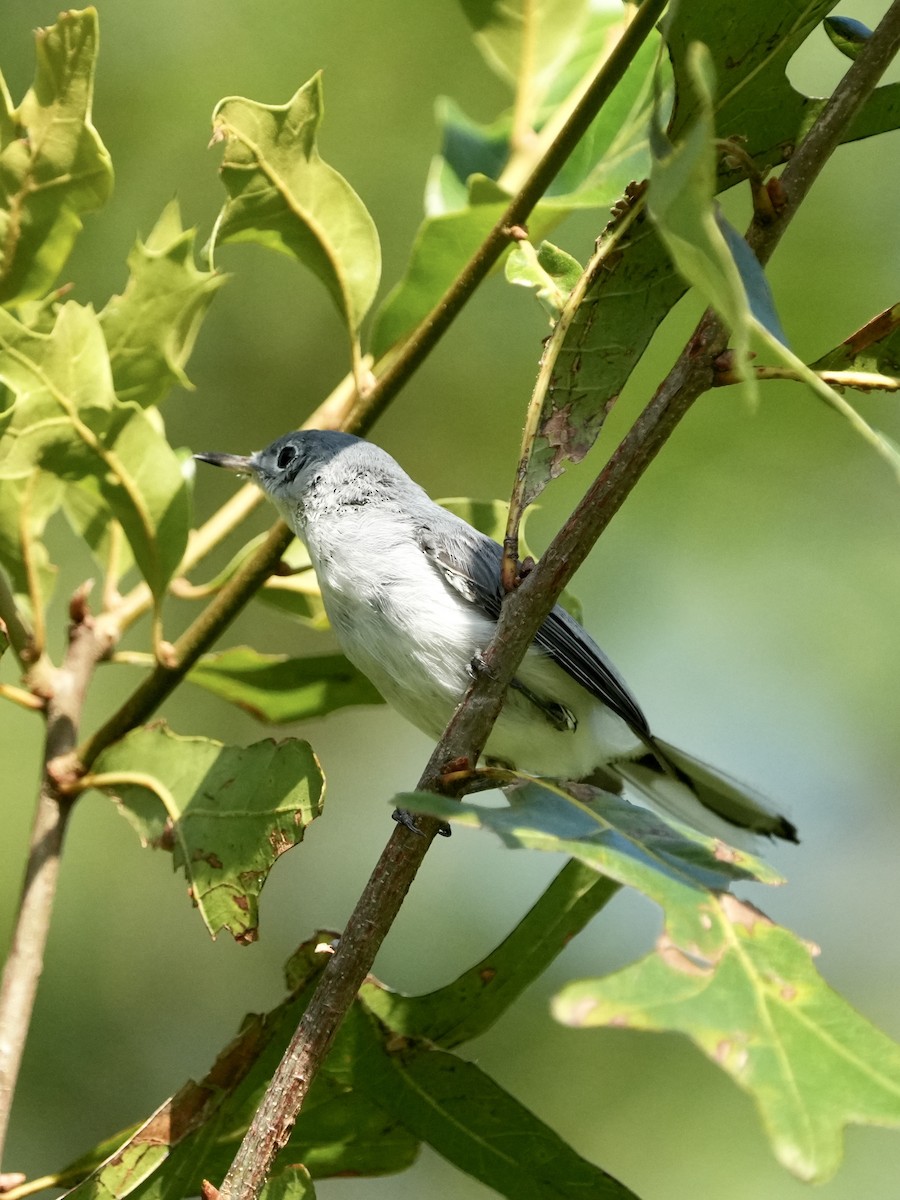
(469, 562)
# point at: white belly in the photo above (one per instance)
(416, 641)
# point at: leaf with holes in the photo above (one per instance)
(226, 812)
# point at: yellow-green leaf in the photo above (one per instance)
(53, 165)
(282, 195)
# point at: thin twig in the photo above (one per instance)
(523, 611)
(862, 381)
(89, 641)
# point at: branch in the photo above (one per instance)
(89, 641)
(523, 612)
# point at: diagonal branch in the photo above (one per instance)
(523, 612)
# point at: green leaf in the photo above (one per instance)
(527, 41)
(625, 842)
(549, 271)
(151, 328)
(282, 195)
(467, 193)
(472, 1003)
(65, 420)
(26, 505)
(740, 987)
(276, 688)
(467, 1118)
(874, 348)
(680, 201)
(746, 993)
(226, 812)
(442, 246)
(88, 514)
(53, 165)
(682, 205)
(293, 1183)
(195, 1135)
(751, 52)
(468, 148)
(848, 35)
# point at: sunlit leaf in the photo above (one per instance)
(53, 165)
(530, 38)
(278, 689)
(65, 420)
(639, 286)
(442, 246)
(465, 196)
(746, 992)
(282, 195)
(293, 1183)
(226, 812)
(151, 328)
(742, 988)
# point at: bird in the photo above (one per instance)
(413, 594)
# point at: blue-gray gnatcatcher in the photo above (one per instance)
(413, 593)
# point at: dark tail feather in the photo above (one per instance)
(676, 783)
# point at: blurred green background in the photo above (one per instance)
(748, 591)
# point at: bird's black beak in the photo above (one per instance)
(231, 462)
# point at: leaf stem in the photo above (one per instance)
(522, 613)
(864, 381)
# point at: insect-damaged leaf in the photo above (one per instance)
(226, 812)
(743, 989)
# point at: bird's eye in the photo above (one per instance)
(286, 455)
